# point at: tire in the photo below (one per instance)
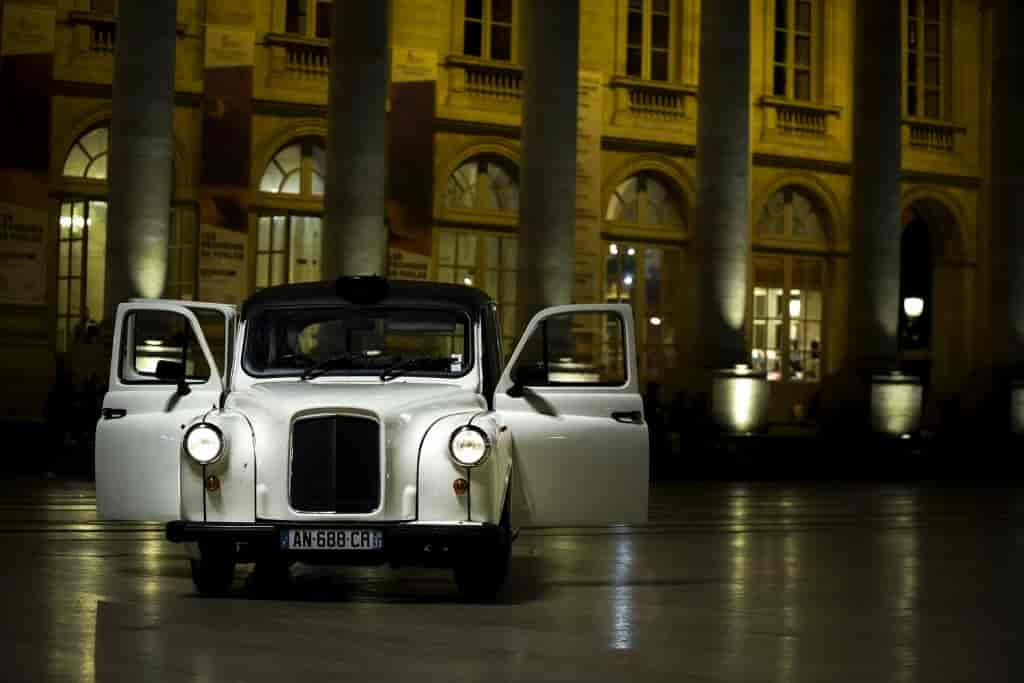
(271, 574)
(214, 572)
(481, 572)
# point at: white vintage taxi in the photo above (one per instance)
(367, 420)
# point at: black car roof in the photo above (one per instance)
(399, 292)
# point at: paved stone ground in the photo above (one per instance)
(762, 581)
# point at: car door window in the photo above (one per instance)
(574, 349)
(153, 336)
(214, 327)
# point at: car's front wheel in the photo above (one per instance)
(214, 571)
(481, 572)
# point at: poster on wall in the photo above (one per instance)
(411, 160)
(222, 274)
(22, 255)
(408, 265)
(26, 72)
(588, 187)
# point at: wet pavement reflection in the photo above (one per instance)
(731, 582)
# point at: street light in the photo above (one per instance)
(913, 306)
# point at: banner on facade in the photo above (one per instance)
(26, 71)
(588, 187)
(227, 46)
(227, 106)
(411, 154)
(222, 275)
(22, 255)
(27, 30)
(408, 265)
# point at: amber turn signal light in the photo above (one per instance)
(460, 486)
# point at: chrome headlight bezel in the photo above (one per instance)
(485, 440)
(220, 443)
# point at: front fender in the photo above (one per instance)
(437, 472)
(235, 499)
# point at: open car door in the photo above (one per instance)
(570, 397)
(163, 374)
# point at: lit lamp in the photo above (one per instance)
(794, 308)
(913, 306)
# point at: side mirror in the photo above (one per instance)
(531, 375)
(171, 371)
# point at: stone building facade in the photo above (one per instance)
(250, 158)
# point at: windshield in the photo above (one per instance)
(357, 341)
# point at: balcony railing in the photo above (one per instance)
(301, 58)
(798, 118)
(934, 136)
(653, 101)
(495, 82)
(100, 29)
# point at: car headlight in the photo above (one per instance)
(469, 446)
(204, 443)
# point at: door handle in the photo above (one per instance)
(113, 413)
(633, 417)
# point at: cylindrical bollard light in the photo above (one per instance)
(1017, 408)
(896, 401)
(739, 399)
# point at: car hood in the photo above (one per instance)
(383, 398)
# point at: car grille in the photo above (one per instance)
(335, 464)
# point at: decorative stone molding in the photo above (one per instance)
(486, 84)
(929, 135)
(652, 103)
(98, 31)
(299, 58)
(798, 118)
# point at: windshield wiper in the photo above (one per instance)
(402, 367)
(317, 369)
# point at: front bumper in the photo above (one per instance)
(403, 543)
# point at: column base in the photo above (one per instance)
(739, 400)
(896, 402)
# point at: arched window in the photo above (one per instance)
(645, 199)
(88, 156)
(297, 169)
(789, 290)
(484, 183)
(791, 214)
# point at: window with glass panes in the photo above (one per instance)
(487, 29)
(649, 39)
(788, 290)
(924, 63)
(308, 18)
(484, 183)
(645, 199)
(287, 249)
(88, 156)
(794, 47)
(648, 277)
(81, 268)
(296, 169)
(487, 261)
(182, 253)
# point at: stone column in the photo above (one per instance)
(1008, 217)
(1008, 187)
(876, 230)
(141, 152)
(355, 237)
(723, 184)
(547, 175)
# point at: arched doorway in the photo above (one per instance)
(934, 316)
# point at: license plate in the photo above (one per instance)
(332, 539)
